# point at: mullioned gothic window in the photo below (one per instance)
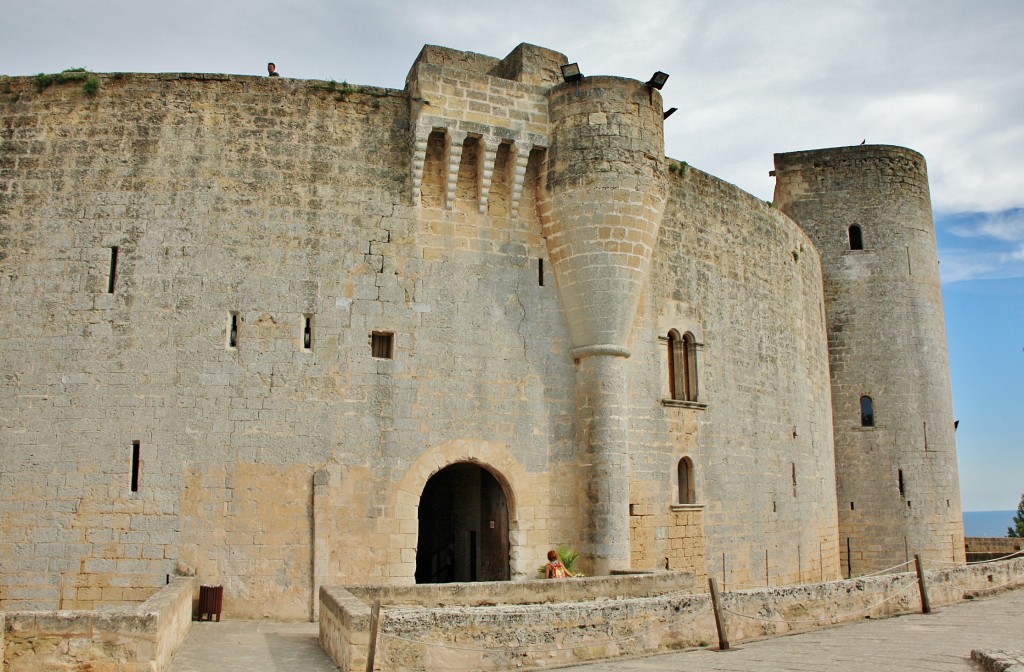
(682, 366)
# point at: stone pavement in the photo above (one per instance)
(940, 642)
(251, 646)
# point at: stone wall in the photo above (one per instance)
(981, 549)
(132, 639)
(746, 283)
(495, 633)
(196, 268)
(224, 196)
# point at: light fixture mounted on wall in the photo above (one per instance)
(657, 80)
(571, 72)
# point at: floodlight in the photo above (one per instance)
(571, 72)
(658, 80)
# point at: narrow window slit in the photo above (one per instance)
(899, 476)
(540, 272)
(112, 277)
(307, 332)
(136, 463)
(233, 330)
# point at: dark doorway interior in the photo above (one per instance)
(463, 527)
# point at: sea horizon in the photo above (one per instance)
(987, 523)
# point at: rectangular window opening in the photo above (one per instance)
(851, 506)
(382, 344)
(899, 476)
(112, 276)
(307, 332)
(540, 272)
(232, 330)
(136, 464)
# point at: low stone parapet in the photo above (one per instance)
(485, 593)
(483, 615)
(983, 549)
(482, 626)
(136, 638)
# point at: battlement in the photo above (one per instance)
(527, 63)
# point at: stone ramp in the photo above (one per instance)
(251, 646)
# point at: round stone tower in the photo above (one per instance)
(868, 211)
(603, 201)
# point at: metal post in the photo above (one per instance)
(926, 608)
(723, 635)
(371, 649)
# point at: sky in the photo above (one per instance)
(750, 79)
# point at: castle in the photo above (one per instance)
(280, 334)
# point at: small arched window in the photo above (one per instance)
(684, 473)
(856, 240)
(867, 412)
(682, 366)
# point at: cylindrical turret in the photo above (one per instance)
(868, 211)
(604, 197)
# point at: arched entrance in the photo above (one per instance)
(463, 527)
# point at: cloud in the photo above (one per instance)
(1005, 226)
(981, 246)
(964, 265)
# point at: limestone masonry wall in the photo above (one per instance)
(139, 639)
(501, 634)
(747, 283)
(255, 331)
(981, 549)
